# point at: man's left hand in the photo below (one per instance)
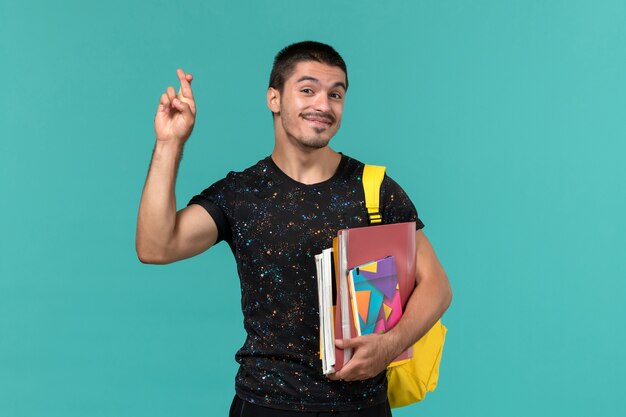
(371, 355)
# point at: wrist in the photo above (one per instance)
(168, 144)
(167, 154)
(168, 148)
(394, 343)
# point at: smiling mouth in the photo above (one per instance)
(318, 120)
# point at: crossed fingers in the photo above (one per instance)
(170, 99)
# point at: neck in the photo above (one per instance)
(306, 166)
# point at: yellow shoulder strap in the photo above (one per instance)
(372, 180)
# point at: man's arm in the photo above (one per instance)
(164, 235)
(427, 303)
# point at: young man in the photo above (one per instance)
(276, 215)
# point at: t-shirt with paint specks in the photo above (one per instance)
(275, 226)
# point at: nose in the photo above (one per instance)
(321, 102)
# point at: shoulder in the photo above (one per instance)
(351, 167)
(250, 177)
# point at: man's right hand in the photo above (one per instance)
(176, 113)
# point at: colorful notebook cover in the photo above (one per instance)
(375, 296)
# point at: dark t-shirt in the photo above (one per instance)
(275, 226)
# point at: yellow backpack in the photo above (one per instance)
(408, 381)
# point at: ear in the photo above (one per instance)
(273, 100)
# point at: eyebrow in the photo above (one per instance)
(315, 80)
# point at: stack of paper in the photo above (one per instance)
(325, 283)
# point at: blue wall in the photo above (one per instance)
(504, 121)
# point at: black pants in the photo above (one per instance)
(240, 408)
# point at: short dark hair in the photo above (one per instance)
(286, 60)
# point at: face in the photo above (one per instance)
(308, 111)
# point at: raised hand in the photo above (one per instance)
(176, 114)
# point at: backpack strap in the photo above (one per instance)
(372, 180)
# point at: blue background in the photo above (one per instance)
(504, 121)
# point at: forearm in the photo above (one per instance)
(427, 303)
(157, 210)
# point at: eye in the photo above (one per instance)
(336, 96)
(307, 91)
